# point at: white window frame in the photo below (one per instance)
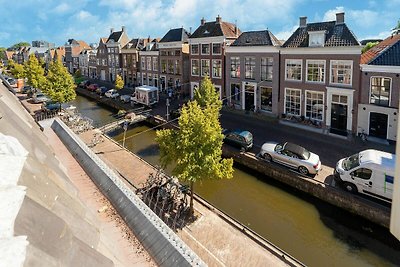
(344, 62)
(370, 88)
(305, 104)
(286, 69)
(284, 105)
(212, 68)
(143, 63)
(198, 49)
(212, 49)
(201, 70)
(198, 66)
(316, 34)
(155, 63)
(209, 50)
(315, 60)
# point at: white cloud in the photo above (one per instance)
(84, 15)
(381, 35)
(330, 15)
(62, 8)
(284, 35)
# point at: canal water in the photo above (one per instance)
(314, 232)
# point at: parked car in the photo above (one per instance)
(112, 93)
(369, 172)
(101, 90)
(40, 98)
(125, 98)
(238, 138)
(84, 83)
(292, 156)
(50, 106)
(26, 89)
(92, 87)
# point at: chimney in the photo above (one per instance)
(218, 19)
(340, 18)
(148, 39)
(303, 22)
(123, 28)
(236, 29)
(202, 21)
(111, 30)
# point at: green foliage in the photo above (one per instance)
(119, 83)
(18, 45)
(34, 72)
(3, 53)
(59, 83)
(17, 70)
(368, 46)
(196, 147)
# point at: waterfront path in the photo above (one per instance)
(217, 242)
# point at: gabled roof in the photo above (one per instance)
(115, 37)
(83, 44)
(256, 38)
(9, 54)
(175, 35)
(103, 40)
(216, 28)
(335, 35)
(136, 43)
(386, 52)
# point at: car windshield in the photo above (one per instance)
(278, 147)
(248, 136)
(351, 162)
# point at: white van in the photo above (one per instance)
(369, 172)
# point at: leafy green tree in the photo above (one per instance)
(18, 45)
(59, 84)
(119, 83)
(396, 30)
(34, 72)
(368, 46)
(196, 147)
(3, 53)
(18, 71)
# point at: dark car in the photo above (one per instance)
(50, 106)
(93, 87)
(26, 89)
(238, 138)
(101, 90)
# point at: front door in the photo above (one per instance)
(378, 123)
(249, 97)
(339, 119)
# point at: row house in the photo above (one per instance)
(72, 50)
(207, 52)
(130, 59)
(174, 60)
(252, 72)
(59, 54)
(380, 88)
(92, 65)
(84, 58)
(149, 65)
(319, 75)
(101, 60)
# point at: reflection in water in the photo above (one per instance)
(310, 230)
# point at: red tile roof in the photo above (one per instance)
(375, 51)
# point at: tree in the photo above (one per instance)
(196, 147)
(396, 30)
(17, 70)
(3, 53)
(368, 46)
(59, 86)
(34, 72)
(18, 45)
(119, 83)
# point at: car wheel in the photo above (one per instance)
(303, 170)
(349, 187)
(267, 157)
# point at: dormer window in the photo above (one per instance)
(206, 32)
(316, 38)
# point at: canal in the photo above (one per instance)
(314, 232)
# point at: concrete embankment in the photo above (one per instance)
(355, 204)
(160, 241)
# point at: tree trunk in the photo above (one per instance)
(191, 198)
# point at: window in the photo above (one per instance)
(155, 63)
(292, 101)
(362, 173)
(293, 69)
(163, 53)
(170, 66)
(217, 68)
(316, 38)
(195, 67)
(380, 91)
(266, 68)
(235, 67)
(163, 66)
(235, 93)
(155, 80)
(177, 67)
(316, 71)
(148, 63)
(341, 71)
(205, 49)
(266, 98)
(177, 52)
(216, 49)
(205, 67)
(315, 105)
(143, 60)
(150, 79)
(249, 67)
(194, 49)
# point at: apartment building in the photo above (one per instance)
(72, 50)
(130, 59)
(149, 64)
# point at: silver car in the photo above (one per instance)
(291, 155)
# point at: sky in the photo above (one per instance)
(89, 20)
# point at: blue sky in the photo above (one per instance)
(57, 21)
